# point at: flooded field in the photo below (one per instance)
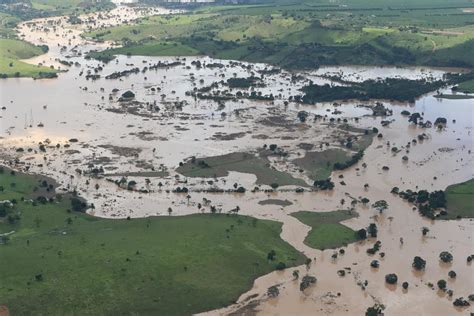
(81, 130)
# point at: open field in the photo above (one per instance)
(466, 87)
(11, 51)
(219, 166)
(140, 265)
(319, 164)
(460, 199)
(319, 33)
(327, 232)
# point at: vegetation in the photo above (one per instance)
(219, 166)
(138, 265)
(31, 9)
(320, 164)
(460, 199)
(326, 230)
(12, 51)
(307, 35)
(307, 281)
(446, 257)
(455, 202)
(391, 88)
(466, 87)
(391, 278)
(419, 263)
(375, 310)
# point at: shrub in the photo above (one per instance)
(419, 263)
(391, 278)
(446, 257)
(442, 284)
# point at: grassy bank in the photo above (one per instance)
(11, 53)
(460, 199)
(326, 230)
(58, 262)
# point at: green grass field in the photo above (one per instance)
(466, 87)
(327, 232)
(58, 262)
(460, 199)
(319, 164)
(313, 33)
(12, 51)
(219, 166)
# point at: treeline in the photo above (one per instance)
(387, 89)
(428, 203)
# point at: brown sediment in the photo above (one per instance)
(4, 311)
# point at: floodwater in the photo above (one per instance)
(168, 125)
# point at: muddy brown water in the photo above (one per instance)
(67, 110)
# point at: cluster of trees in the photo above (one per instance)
(352, 161)
(326, 184)
(427, 202)
(244, 82)
(389, 89)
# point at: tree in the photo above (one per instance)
(306, 282)
(425, 231)
(391, 278)
(372, 230)
(362, 234)
(170, 210)
(280, 266)
(446, 257)
(419, 263)
(380, 205)
(442, 284)
(375, 264)
(271, 255)
(365, 200)
(273, 291)
(375, 310)
(302, 115)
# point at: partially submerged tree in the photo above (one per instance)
(380, 205)
(419, 263)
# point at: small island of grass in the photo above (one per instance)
(326, 230)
